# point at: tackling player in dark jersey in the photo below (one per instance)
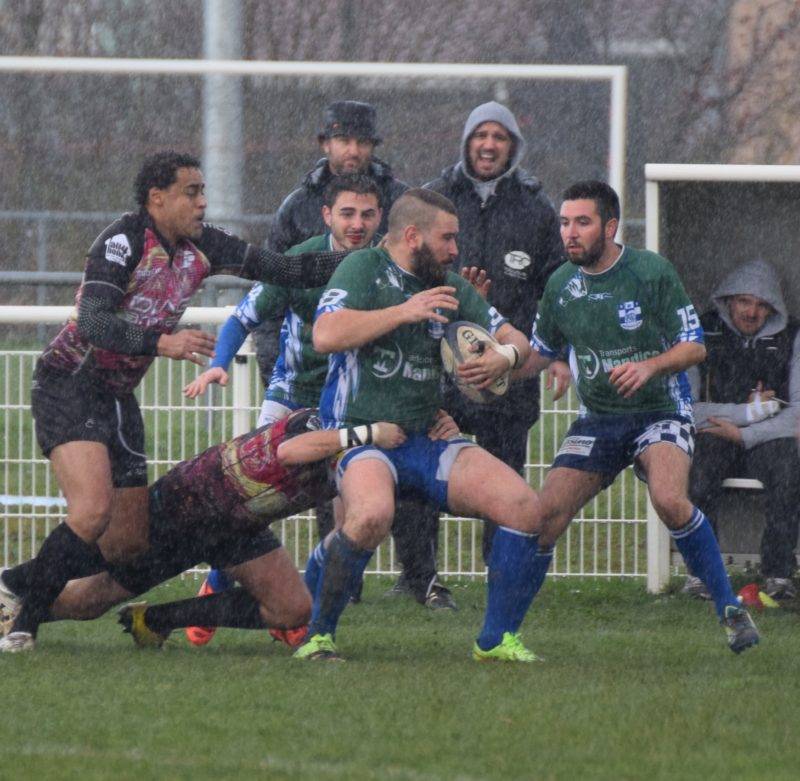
(216, 508)
(140, 274)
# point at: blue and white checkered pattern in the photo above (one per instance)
(676, 432)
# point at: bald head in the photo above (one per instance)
(419, 208)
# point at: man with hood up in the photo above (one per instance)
(748, 397)
(509, 228)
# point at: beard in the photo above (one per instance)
(590, 256)
(427, 268)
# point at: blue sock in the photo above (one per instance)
(698, 546)
(218, 580)
(314, 568)
(342, 570)
(541, 563)
(511, 584)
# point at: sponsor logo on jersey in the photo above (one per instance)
(390, 277)
(599, 296)
(515, 264)
(386, 363)
(576, 446)
(628, 355)
(630, 315)
(588, 364)
(517, 259)
(573, 290)
(187, 258)
(118, 250)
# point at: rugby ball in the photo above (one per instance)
(459, 337)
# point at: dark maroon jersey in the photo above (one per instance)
(157, 282)
(240, 482)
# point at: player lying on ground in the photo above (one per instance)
(383, 314)
(216, 508)
(631, 332)
(140, 274)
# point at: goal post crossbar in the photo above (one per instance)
(615, 75)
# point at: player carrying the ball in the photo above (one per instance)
(631, 331)
(383, 316)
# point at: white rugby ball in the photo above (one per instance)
(458, 338)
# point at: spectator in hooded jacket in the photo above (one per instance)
(509, 228)
(748, 396)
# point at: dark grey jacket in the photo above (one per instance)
(509, 227)
(299, 217)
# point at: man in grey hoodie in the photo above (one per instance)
(509, 228)
(748, 399)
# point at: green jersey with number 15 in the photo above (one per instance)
(631, 312)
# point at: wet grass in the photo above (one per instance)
(634, 686)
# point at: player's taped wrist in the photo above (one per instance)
(355, 436)
(509, 352)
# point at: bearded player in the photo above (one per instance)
(631, 331)
(382, 316)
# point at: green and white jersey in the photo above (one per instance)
(396, 377)
(299, 371)
(632, 311)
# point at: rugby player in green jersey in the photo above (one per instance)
(382, 318)
(631, 331)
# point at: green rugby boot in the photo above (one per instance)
(509, 650)
(318, 647)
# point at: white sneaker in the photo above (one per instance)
(10, 604)
(14, 642)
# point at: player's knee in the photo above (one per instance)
(87, 520)
(518, 509)
(672, 508)
(368, 528)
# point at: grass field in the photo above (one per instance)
(633, 687)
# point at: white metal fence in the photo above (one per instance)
(608, 539)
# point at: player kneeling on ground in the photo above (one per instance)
(216, 508)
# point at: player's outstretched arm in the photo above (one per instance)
(308, 269)
(316, 445)
(345, 329)
(231, 338)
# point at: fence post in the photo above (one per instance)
(657, 551)
(242, 401)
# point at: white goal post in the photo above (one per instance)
(615, 75)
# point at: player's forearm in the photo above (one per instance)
(231, 338)
(309, 447)
(309, 269)
(317, 445)
(100, 325)
(335, 332)
(535, 364)
(507, 334)
(678, 358)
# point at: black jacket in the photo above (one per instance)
(515, 237)
(299, 217)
